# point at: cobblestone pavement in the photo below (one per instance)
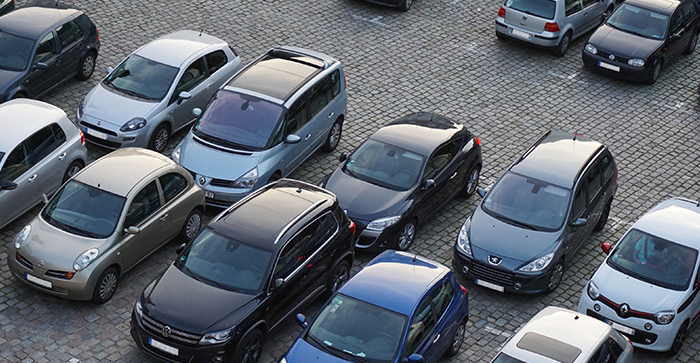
(440, 56)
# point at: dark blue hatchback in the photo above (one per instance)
(399, 308)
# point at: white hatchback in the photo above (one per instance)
(647, 287)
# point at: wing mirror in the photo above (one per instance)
(45, 199)
(579, 222)
(292, 139)
(605, 247)
(674, 37)
(279, 283)
(196, 112)
(8, 185)
(343, 157)
(481, 191)
(181, 248)
(415, 358)
(132, 230)
(184, 95)
(301, 320)
(429, 184)
(109, 70)
(41, 65)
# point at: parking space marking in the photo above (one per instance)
(374, 20)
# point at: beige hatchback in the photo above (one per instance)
(103, 221)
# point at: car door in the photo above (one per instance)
(441, 171)
(295, 123)
(596, 195)
(693, 300)
(70, 39)
(440, 298)
(608, 352)
(215, 61)
(323, 111)
(676, 27)
(592, 13)
(49, 157)
(456, 172)
(173, 185)
(144, 211)
(17, 167)
(40, 80)
(317, 251)
(573, 233)
(420, 331)
(194, 81)
(573, 10)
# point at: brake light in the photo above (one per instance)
(477, 140)
(82, 138)
(502, 12)
(617, 175)
(97, 34)
(233, 50)
(345, 85)
(464, 290)
(352, 227)
(551, 27)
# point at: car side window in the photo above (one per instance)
(441, 298)
(172, 184)
(58, 134)
(323, 229)
(422, 324)
(216, 60)
(579, 203)
(689, 12)
(333, 84)
(587, 3)
(43, 143)
(608, 352)
(572, 7)
(676, 21)
(193, 75)
(607, 165)
(293, 255)
(593, 181)
(69, 34)
(297, 116)
(46, 48)
(441, 158)
(145, 203)
(319, 97)
(16, 163)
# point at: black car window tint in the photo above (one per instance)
(572, 7)
(145, 203)
(334, 84)
(676, 21)
(441, 298)
(593, 181)
(579, 203)
(297, 116)
(319, 97)
(46, 48)
(68, 34)
(216, 60)
(325, 228)
(689, 12)
(438, 162)
(607, 165)
(608, 352)
(421, 325)
(193, 75)
(172, 184)
(16, 163)
(292, 255)
(58, 134)
(615, 348)
(43, 144)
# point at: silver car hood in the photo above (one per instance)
(639, 295)
(114, 108)
(215, 163)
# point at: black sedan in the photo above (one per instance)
(41, 48)
(404, 173)
(402, 5)
(641, 37)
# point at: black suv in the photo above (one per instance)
(255, 264)
(537, 215)
(40, 48)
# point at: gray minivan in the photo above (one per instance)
(550, 23)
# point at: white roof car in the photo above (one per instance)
(557, 335)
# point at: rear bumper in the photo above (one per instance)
(542, 40)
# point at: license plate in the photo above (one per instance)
(608, 66)
(520, 34)
(97, 134)
(164, 347)
(38, 281)
(619, 327)
(209, 195)
(489, 285)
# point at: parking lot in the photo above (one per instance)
(440, 56)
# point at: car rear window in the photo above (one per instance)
(549, 347)
(541, 8)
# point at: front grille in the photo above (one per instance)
(24, 262)
(157, 328)
(640, 336)
(100, 129)
(221, 183)
(59, 274)
(630, 314)
(98, 141)
(617, 59)
(490, 274)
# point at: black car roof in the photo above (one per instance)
(420, 132)
(660, 6)
(263, 217)
(31, 22)
(557, 158)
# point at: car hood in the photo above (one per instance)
(621, 288)
(301, 351)
(183, 302)
(619, 43)
(363, 200)
(214, 163)
(113, 107)
(7, 79)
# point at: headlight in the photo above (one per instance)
(463, 239)
(176, 155)
(216, 337)
(593, 291)
(664, 317)
(85, 259)
(282, 360)
(81, 108)
(538, 264)
(248, 180)
(590, 49)
(138, 308)
(636, 62)
(381, 223)
(21, 237)
(133, 124)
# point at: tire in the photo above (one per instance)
(160, 137)
(655, 71)
(273, 178)
(691, 46)
(406, 236)
(73, 169)
(405, 5)
(192, 226)
(563, 45)
(249, 347)
(500, 37)
(338, 276)
(679, 339)
(106, 286)
(86, 66)
(18, 95)
(333, 138)
(603, 218)
(457, 339)
(471, 183)
(557, 276)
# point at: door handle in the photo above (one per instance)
(436, 339)
(31, 178)
(453, 175)
(62, 156)
(331, 115)
(164, 217)
(307, 137)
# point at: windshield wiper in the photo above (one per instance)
(518, 223)
(221, 141)
(72, 229)
(340, 353)
(202, 278)
(346, 169)
(133, 93)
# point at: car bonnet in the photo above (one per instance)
(115, 108)
(620, 43)
(216, 163)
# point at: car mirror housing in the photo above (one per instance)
(197, 112)
(579, 222)
(605, 247)
(45, 199)
(481, 192)
(301, 320)
(279, 283)
(343, 157)
(41, 65)
(415, 358)
(109, 70)
(292, 139)
(8, 185)
(674, 37)
(429, 184)
(181, 248)
(184, 95)
(132, 230)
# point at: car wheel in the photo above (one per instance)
(106, 286)
(249, 347)
(338, 276)
(273, 178)
(87, 66)
(691, 46)
(405, 5)
(457, 340)
(160, 137)
(500, 37)
(557, 276)
(654, 74)
(472, 182)
(333, 137)
(18, 95)
(73, 169)
(603, 218)
(563, 46)
(408, 233)
(679, 339)
(192, 226)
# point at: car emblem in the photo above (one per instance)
(524, 17)
(202, 180)
(166, 331)
(624, 309)
(40, 263)
(494, 260)
(99, 122)
(611, 57)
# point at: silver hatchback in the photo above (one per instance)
(550, 23)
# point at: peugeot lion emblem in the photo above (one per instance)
(624, 309)
(166, 331)
(494, 260)
(202, 180)
(611, 57)
(40, 263)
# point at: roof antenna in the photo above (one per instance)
(57, 3)
(415, 255)
(575, 134)
(200, 31)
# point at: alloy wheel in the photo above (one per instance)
(108, 285)
(88, 65)
(408, 232)
(194, 223)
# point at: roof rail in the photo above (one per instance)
(297, 218)
(537, 143)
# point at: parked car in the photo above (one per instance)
(402, 5)
(264, 122)
(561, 335)
(537, 215)
(647, 287)
(41, 48)
(258, 262)
(43, 150)
(151, 93)
(402, 174)
(6, 6)
(550, 23)
(399, 308)
(103, 221)
(641, 37)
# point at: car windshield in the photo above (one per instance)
(224, 262)
(527, 202)
(357, 331)
(638, 21)
(15, 51)
(238, 121)
(385, 165)
(505, 358)
(84, 210)
(540, 8)
(655, 260)
(142, 78)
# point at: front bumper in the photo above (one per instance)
(107, 135)
(217, 195)
(372, 240)
(619, 70)
(543, 40)
(80, 287)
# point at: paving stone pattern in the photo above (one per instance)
(441, 56)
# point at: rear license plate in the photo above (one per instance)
(619, 327)
(608, 66)
(97, 134)
(38, 281)
(164, 347)
(520, 34)
(489, 285)
(209, 195)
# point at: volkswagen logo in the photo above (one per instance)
(40, 263)
(611, 57)
(166, 331)
(494, 260)
(202, 180)
(624, 309)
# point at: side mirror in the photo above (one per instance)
(674, 37)
(41, 65)
(184, 95)
(429, 184)
(292, 139)
(481, 192)
(343, 157)
(196, 112)
(579, 222)
(109, 70)
(279, 283)
(301, 320)
(8, 185)
(45, 199)
(414, 358)
(132, 230)
(181, 248)
(605, 247)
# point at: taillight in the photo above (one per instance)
(82, 138)
(617, 176)
(551, 27)
(501, 12)
(352, 227)
(464, 290)
(477, 140)
(233, 50)
(97, 34)
(345, 85)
